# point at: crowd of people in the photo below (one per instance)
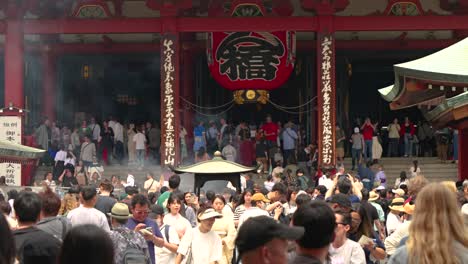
(107, 142)
(338, 218)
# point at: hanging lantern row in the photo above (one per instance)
(126, 99)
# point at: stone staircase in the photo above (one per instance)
(432, 168)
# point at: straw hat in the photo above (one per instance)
(120, 211)
(408, 208)
(397, 204)
(373, 196)
(399, 191)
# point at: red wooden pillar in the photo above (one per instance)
(326, 92)
(48, 85)
(170, 82)
(463, 154)
(14, 58)
(188, 93)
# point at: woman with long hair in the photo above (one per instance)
(225, 229)
(70, 201)
(402, 180)
(361, 228)
(437, 233)
(174, 218)
(244, 204)
(7, 243)
(87, 244)
(415, 170)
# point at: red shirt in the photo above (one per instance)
(272, 130)
(368, 132)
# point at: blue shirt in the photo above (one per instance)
(289, 139)
(198, 131)
(132, 223)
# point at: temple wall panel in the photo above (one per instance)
(137, 9)
(363, 7)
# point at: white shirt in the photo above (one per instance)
(392, 241)
(130, 181)
(118, 132)
(393, 222)
(205, 247)
(164, 255)
(349, 253)
(251, 212)
(269, 185)
(96, 130)
(327, 182)
(139, 140)
(60, 155)
(70, 161)
(83, 215)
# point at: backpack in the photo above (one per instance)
(131, 254)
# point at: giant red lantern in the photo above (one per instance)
(251, 60)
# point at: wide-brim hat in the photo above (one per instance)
(397, 204)
(373, 196)
(399, 191)
(120, 211)
(408, 208)
(210, 213)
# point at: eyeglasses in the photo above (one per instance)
(141, 212)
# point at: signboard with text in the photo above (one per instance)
(10, 130)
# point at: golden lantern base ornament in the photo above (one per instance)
(251, 96)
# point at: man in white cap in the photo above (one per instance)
(201, 245)
(124, 238)
(393, 218)
(393, 241)
(399, 193)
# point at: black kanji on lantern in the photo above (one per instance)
(243, 56)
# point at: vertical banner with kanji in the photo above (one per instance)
(10, 130)
(170, 99)
(326, 95)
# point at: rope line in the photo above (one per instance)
(287, 111)
(206, 107)
(293, 107)
(217, 114)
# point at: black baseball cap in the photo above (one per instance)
(257, 231)
(155, 210)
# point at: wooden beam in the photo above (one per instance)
(200, 45)
(154, 25)
(92, 26)
(216, 24)
(399, 23)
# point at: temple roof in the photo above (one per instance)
(17, 152)
(445, 67)
(451, 110)
(448, 65)
(215, 166)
